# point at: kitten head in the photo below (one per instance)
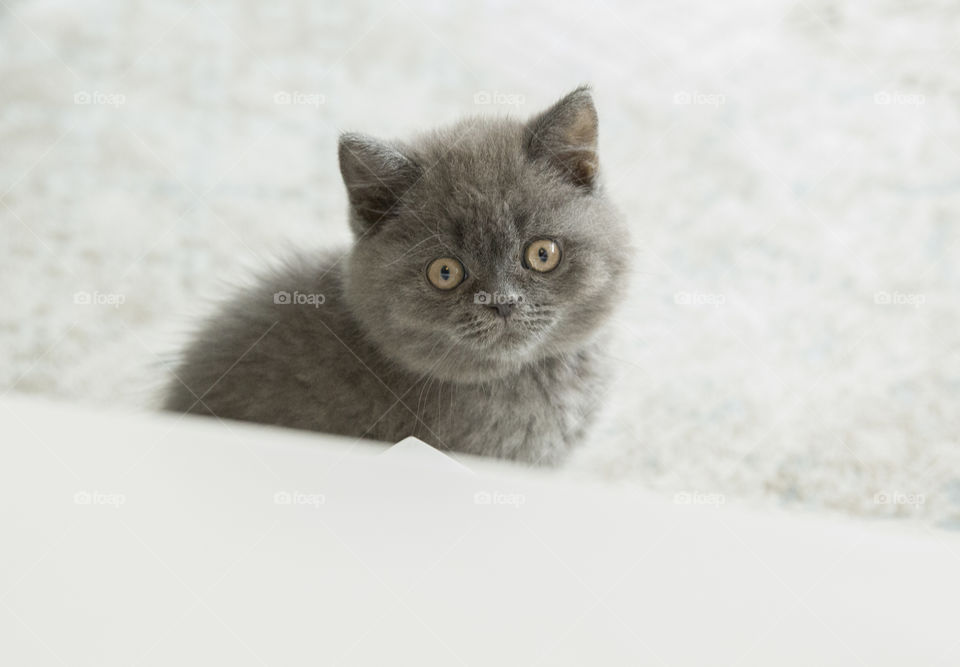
(484, 246)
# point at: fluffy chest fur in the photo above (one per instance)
(535, 415)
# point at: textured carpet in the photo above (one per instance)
(791, 171)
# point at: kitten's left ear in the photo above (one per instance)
(566, 135)
(377, 175)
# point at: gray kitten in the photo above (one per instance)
(469, 312)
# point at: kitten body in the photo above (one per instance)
(507, 362)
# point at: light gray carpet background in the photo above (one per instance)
(791, 171)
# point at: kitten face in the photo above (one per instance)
(476, 196)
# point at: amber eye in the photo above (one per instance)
(445, 273)
(542, 255)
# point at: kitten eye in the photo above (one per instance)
(542, 255)
(445, 273)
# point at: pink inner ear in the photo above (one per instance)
(573, 143)
(581, 136)
(583, 130)
(584, 170)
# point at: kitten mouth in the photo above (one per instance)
(495, 337)
(514, 334)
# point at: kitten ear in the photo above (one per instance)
(377, 175)
(566, 135)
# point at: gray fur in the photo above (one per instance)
(387, 355)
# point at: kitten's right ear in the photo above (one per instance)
(377, 175)
(565, 135)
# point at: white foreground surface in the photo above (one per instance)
(159, 540)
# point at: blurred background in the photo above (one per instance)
(790, 170)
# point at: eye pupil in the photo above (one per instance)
(445, 273)
(542, 255)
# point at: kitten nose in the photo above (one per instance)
(503, 309)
